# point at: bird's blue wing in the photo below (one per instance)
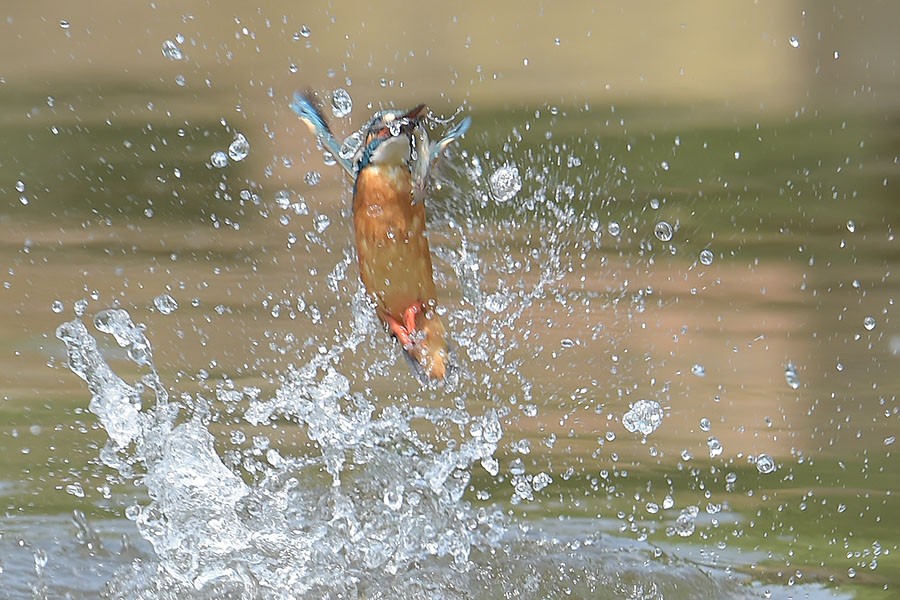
(309, 113)
(429, 155)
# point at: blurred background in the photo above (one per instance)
(766, 133)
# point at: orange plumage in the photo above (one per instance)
(390, 172)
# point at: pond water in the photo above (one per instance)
(672, 312)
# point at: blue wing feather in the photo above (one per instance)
(430, 156)
(305, 108)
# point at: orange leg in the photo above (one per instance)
(405, 330)
(410, 315)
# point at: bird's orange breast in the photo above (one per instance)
(394, 258)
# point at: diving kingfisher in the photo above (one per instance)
(390, 172)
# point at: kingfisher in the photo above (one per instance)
(390, 171)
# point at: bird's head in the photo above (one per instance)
(388, 137)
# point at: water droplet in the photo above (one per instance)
(57, 306)
(218, 159)
(64, 24)
(133, 512)
(23, 200)
(664, 165)
(350, 145)
(698, 370)
(304, 31)
(540, 481)
(645, 417)
(851, 226)
(312, 178)
(836, 55)
(613, 228)
(491, 465)
(686, 455)
(706, 257)
(505, 183)
(283, 199)
(321, 223)
(165, 304)
(663, 231)
(790, 375)
(715, 447)
(652, 508)
(341, 103)
(685, 524)
(869, 323)
(737, 155)
(889, 440)
(517, 467)
(75, 489)
(239, 148)
(704, 424)
(765, 464)
(794, 42)
(171, 51)
(20, 186)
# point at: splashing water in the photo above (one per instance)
(376, 504)
(392, 501)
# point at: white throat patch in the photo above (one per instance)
(392, 151)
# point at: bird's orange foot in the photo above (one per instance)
(406, 330)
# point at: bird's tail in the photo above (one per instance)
(431, 356)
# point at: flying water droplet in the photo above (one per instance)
(239, 148)
(540, 481)
(685, 523)
(663, 231)
(321, 223)
(869, 323)
(794, 42)
(312, 178)
(698, 370)
(283, 199)
(704, 424)
(715, 447)
(505, 183)
(171, 51)
(64, 24)
(851, 226)
(765, 464)
(218, 159)
(165, 304)
(790, 375)
(614, 229)
(341, 103)
(75, 489)
(706, 257)
(350, 145)
(57, 306)
(645, 417)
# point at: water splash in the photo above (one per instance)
(392, 499)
